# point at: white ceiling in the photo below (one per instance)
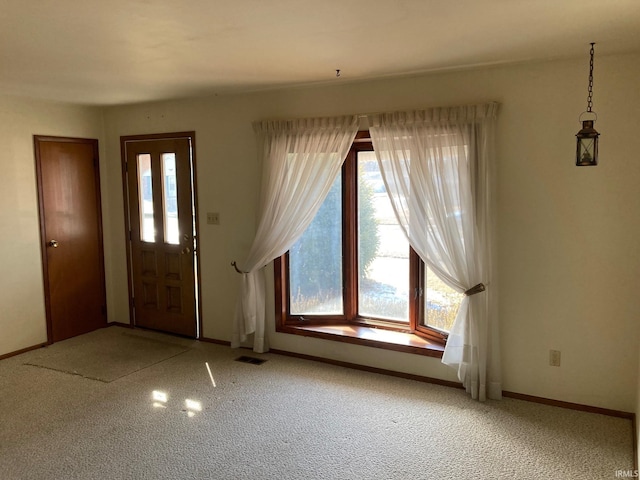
(122, 51)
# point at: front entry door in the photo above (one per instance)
(161, 211)
(71, 234)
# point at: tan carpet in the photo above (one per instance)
(285, 419)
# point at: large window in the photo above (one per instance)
(353, 266)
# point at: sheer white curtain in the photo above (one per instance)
(300, 160)
(435, 164)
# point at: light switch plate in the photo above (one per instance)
(213, 218)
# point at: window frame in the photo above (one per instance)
(311, 325)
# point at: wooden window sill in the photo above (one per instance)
(370, 337)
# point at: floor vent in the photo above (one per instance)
(251, 360)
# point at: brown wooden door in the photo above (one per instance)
(162, 233)
(71, 233)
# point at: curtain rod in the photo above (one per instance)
(367, 114)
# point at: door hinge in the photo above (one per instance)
(130, 236)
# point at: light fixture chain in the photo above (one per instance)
(590, 96)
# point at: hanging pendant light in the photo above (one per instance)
(587, 149)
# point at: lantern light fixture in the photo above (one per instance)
(587, 148)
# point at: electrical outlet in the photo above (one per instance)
(554, 358)
(213, 218)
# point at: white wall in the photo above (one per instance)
(22, 315)
(567, 237)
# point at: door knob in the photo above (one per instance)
(53, 243)
(186, 250)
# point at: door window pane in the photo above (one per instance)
(170, 199)
(145, 198)
(383, 249)
(315, 261)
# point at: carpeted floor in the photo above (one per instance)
(285, 419)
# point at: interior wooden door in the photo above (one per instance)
(71, 233)
(162, 233)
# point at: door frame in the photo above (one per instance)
(191, 135)
(37, 139)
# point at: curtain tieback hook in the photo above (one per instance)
(234, 265)
(476, 289)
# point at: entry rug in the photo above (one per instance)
(108, 356)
